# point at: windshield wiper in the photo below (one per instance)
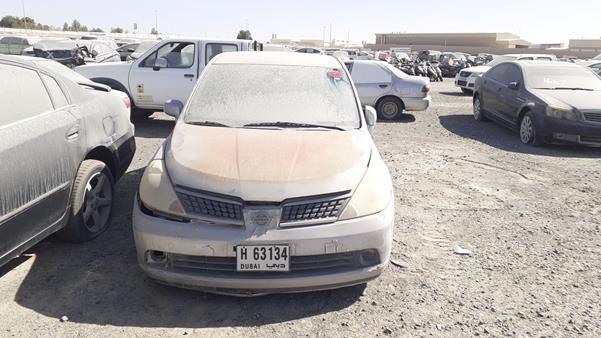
(208, 124)
(567, 88)
(291, 125)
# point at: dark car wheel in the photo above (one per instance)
(528, 133)
(478, 114)
(390, 108)
(91, 202)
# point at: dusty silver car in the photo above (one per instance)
(389, 89)
(270, 182)
(65, 141)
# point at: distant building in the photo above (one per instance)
(317, 43)
(482, 40)
(585, 48)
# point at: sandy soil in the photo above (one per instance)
(531, 217)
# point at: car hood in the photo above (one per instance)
(476, 70)
(99, 69)
(267, 165)
(579, 99)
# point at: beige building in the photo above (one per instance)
(585, 48)
(486, 40)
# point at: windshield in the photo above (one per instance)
(145, 45)
(238, 95)
(499, 59)
(399, 73)
(562, 78)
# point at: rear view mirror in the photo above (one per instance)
(513, 85)
(173, 108)
(160, 63)
(370, 117)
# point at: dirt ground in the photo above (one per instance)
(530, 216)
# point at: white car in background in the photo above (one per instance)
(387, 88)
(466, 78)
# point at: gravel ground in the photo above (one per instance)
(530, 216)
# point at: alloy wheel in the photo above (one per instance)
(526, 130)
(98, 202)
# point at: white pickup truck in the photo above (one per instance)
(166, 71)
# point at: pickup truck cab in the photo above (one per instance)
(169, 70)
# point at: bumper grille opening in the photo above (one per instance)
(313, 211)
(589, 139)
(593, 117)
(299, 265)
(210, 207)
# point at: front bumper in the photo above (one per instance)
(198, 239)
(566, 131)
(417, 103)
(465, 82)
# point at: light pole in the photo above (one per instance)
(156, 21)
(23, 6)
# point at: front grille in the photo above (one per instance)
(210, 207)
(313, 211)
(590, 139)
(462, 83)
(593, 117)
(299, 265)
(465, 74)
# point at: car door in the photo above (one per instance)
(39, 141)
(212, 49)
(152, 86)
(492, 82)
(509, 99)
(372, 81)
(4, 43)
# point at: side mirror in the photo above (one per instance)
(160, 63)
(513, 85)
(131, 50)
(173, 108)
(370, 118)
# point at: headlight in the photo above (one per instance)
(559, 113)
(156, 191)
(373, 194)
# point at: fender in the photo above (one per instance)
(114, 84)
(527, 105)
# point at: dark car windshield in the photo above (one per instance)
(562, 77)
(239, 95)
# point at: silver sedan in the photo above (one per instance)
(388, 89)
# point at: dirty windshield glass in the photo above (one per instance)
(562, 78)
(239, 95)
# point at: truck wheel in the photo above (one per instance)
(390, 108)
(91, 202)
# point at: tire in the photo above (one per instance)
(477, 111)
(466, 91)
(528, 132)
(390, 108)
(91, 202)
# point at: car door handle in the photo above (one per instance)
(189, 75)
(73, 133)
(383, 86)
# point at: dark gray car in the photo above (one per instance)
(65, 141)
(546, 101)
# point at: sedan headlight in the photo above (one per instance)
(373, 194)
(156, 191)
(561, 113)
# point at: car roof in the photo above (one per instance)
(277, 58)
(530, 55)
(548, 64)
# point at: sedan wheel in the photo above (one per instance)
(528, 130)
(390, 108)
(98, 202)
(478, 115)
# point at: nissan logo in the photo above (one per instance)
(261, 219)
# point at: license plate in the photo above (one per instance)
(262, 258)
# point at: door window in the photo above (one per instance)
(370, 73)
(24, 94)
(497, 73)
(512, 74)
(56, 93)
(177, 54)
(214, 49)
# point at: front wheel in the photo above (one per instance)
(91, 202)
(528, 134)
(390, 108)
(478, 114)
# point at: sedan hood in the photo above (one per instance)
(477, 70)
(267, 165)
(579, 99)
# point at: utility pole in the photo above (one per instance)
(23, 6)
(330, 44)
(324, 36)
(247, 24)
(156, 21)
(348, 38)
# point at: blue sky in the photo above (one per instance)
(534, 20)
